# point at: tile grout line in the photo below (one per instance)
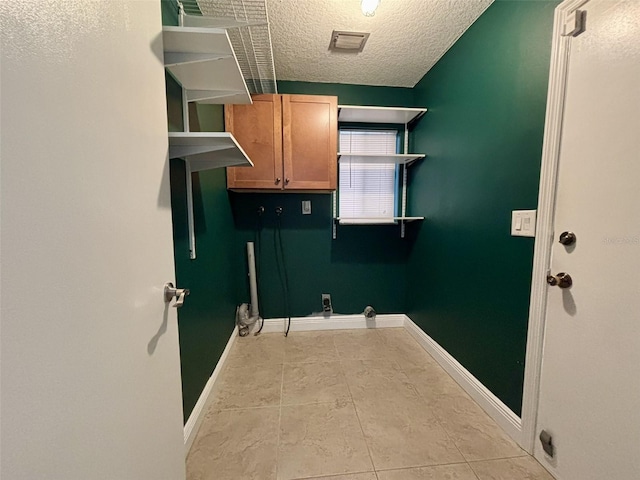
(311, 404)
(333, 475)
(415, 389)
(255, 407)
(353, 403)
(524, 453)
(393, 469)
(280, 410)
(466, 461)
(381, 334)
(473, 470)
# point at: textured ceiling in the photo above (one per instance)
(407, 38)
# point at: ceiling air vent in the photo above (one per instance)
(348, 42)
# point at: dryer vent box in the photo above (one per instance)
(348, 42)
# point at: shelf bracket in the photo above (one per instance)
(187, 164)
(171, 59)
(334, 199)
(190, 222)
(404, 181)
(204, 95)
(181, 13)
(404, 199)
(185, 111)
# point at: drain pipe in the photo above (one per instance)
(248, 315)
(253, 284)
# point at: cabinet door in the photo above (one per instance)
(258, 130)
(309, 132)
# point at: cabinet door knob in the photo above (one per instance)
(286, 181)
(278, 180)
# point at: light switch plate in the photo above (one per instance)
(306, 207)
(523, 223)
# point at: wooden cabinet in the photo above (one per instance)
(258, 130)
(291, 139)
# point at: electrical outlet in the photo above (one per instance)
(306, 207)
(326, 303)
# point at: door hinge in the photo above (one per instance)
(575, 23)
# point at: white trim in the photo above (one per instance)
(334, 322)
(544, 227)
(491, 404)
(200, 408)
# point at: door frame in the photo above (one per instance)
(560, 48)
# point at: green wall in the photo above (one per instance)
(469, 280)
(365, 265)
(169, 12)
(352, 94)
(207, 318)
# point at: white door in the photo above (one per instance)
(89, 350)
(590, 384)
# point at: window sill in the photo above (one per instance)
(375, 220)
(399, 159)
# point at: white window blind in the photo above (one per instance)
(367, 191)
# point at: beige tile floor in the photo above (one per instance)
(347, 405)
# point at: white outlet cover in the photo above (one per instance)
(523, 223)
(306, 207)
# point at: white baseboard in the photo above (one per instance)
(334, 322)
(491, 404)
(200, 408)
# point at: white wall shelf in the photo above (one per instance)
(382, 115)
(399, 159)
(207, 150)
(217, 22)
(396, 115)
(204, 63)
(204, 151)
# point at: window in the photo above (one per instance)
(367, 192)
